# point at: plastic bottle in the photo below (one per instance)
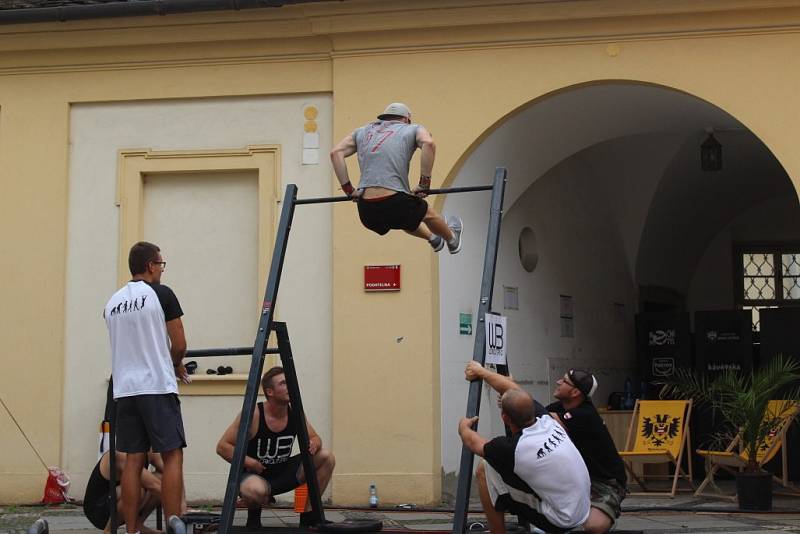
(643, 391)
(627, 401)
(373, 496)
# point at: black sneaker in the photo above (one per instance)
(253, 518)
(437, 243)
(307, 520)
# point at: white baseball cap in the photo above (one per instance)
(396, 109)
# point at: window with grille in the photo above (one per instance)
(767, 277)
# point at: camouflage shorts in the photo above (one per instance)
(607, 496)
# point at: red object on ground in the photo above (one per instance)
(55, 487)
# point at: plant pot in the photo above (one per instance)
(754, 491)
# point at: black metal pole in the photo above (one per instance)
(444, 191)
(257, 363)
(112, 463)
(233, 351)
(479, 348)
(299, 419)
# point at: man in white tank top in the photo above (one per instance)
(385, 199)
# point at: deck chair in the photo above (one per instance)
(734, 459)
(659, 434)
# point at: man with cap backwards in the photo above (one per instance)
(536, 472)
(385, 199)
(576, 413)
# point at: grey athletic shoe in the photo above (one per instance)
(456, 226)
(437, 243)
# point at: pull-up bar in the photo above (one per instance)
(233, 351)
(467, 189)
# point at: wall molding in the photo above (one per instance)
(134, 165)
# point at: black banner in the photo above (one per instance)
(663, 343)
(779, 328)
(723, 340)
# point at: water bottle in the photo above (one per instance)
(627, 396)
(643, 391)
(373, 496)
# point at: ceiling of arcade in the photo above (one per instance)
(643, 141)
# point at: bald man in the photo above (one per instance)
(536, 472)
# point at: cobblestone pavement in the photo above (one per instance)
(652, 515)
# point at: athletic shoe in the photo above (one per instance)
(175, 525)
(253, 518)
(456, 226)
(437, 243)
(307, 519)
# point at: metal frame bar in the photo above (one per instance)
(233, 351)
(479, 348)
(265, 326)
(112, 462)
(468, 189)
(299, 417)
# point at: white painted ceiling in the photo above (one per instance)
(685, 207)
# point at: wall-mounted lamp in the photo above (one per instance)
(711, 153)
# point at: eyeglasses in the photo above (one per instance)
(163, 264)
(567, 381)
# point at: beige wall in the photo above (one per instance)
(204, 214)
(462, 70)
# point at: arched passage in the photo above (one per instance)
(605, 191)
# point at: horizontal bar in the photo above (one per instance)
(467, 189)
(233, 351)
(444, 191)
(321, 200)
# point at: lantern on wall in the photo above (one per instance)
(711, 154)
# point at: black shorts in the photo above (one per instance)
(145, 421)
(281, 477)
(400, 211)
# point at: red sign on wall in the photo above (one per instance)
(381, 278)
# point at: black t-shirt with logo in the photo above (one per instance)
(588, 432)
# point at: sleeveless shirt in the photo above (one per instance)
(268, 447)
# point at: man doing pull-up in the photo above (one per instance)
(385, 199)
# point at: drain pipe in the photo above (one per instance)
(134, 8)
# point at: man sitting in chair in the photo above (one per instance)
(269, 467)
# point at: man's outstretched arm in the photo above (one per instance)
(498, 382)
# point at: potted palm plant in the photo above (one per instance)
(741, 399)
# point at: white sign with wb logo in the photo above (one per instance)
(496, 339)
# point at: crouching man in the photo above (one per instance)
(536, 473)
(269, 467)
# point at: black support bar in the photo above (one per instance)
(479, 348)
(257, 363)
(444, 191)
(299, 416)
(233, 351)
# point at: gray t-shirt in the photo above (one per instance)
(384, 150)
